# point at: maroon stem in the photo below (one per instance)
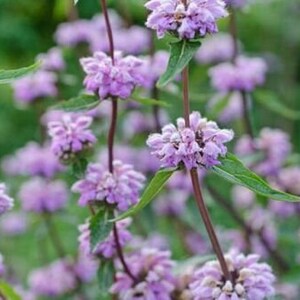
(186, 103)
(197, 189)
(109, 30)
(111, 136)
(2, 297)
(121, 254)
(208, 224)
(112, 133)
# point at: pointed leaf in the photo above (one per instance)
(233, 170)
(273, 103)
(181, 53)
(149, 101)
(8, 76)
(155, 186)
(8, 292)
(100, 227)
(80, 103)
(105, 276)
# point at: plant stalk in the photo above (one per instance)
(111, 135)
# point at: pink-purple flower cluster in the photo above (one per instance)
(216, 49)
(153, 270)
(275, 146)
(201, 144)
(109, 78)
(40, 196)
(245, 74)
(108, 247)
(193, 20)
(153, 67)
(33, 160)
(71, 136)
(52, 60)
(6, 202)
(53, 280)
(120, 188)
(250, 279)
(32, 87)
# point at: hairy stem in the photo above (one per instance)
(186, 100)
(208, 224)
(121, 254)
(108, 29)
(111, 135)
(197, 189)
(54, 236)
(274, 254)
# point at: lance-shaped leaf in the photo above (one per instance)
(181, 53)
(100, 227)
(81, 103)
(270, 101)
(105, 276)
(155, 186)
(8, 292)
(149, 101)
(233, 170)
(8, 76)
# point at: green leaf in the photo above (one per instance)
(105, 276)
(8, 292)
(7, 76)
(100, 227)
(76, 1)
(155, 186)
(149, 101)
(81, 103)
(234, 171)
(181, 53)
(270, 101)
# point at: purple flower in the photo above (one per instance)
(71, 136)
(152, 268)
(39, 195)
(32, 87)
(120, 188)
(13, 223)
(33, 160)
(233, 109)
(244, 75)
(199, 145)
(195, 20)
(107, 248)
(275, 146)
(73, 33)
(251, 279)
(110, 79)
(52, 60)
(216, 49)
(196, 243)
(153, 67)
(86, 267)
(171, 204)
(25, 294)
(53, 280)
(6, 202)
